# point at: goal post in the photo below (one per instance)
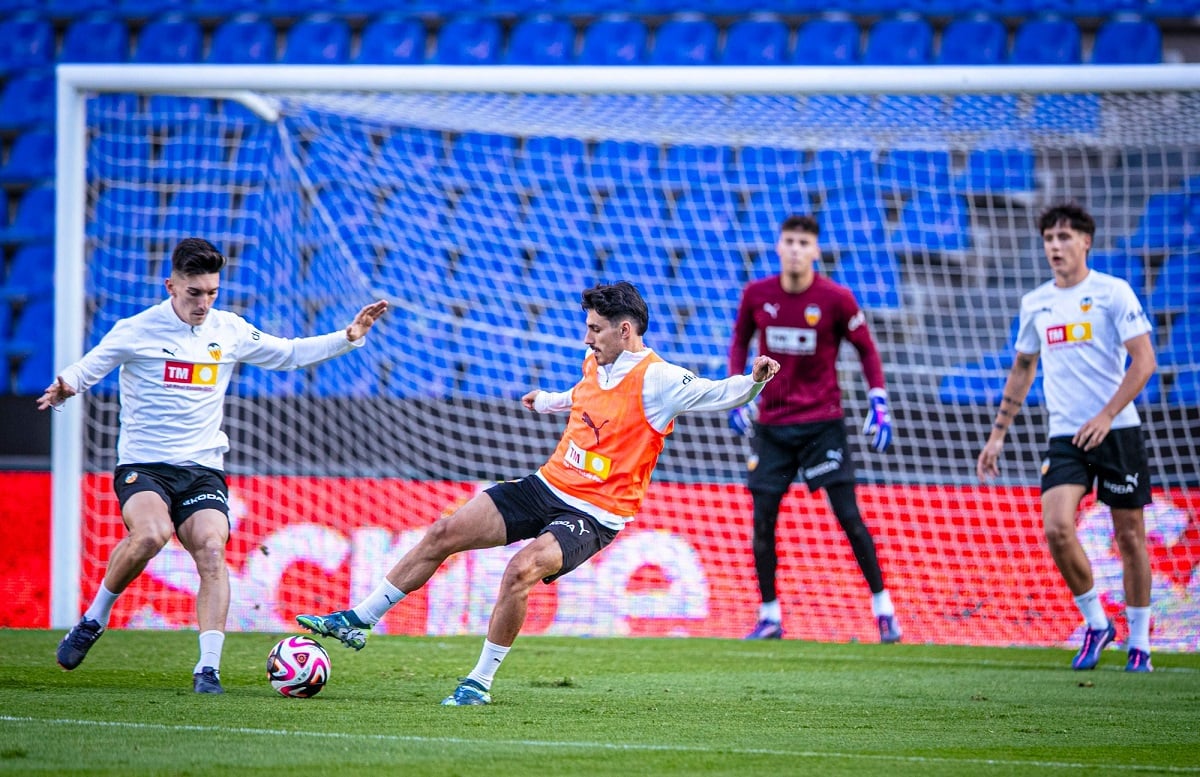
(481, 200)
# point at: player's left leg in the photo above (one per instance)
(844, 503)
(205, 535)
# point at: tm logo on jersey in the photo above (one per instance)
(198, 377)
(594, 465)
(1063, 334)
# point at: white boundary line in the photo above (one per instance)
(621, 747)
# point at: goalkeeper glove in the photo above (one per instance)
(879, 421)
(741, 419)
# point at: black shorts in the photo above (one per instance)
(186, 490)
(817, 452)
(529, 509)
(1117, 468)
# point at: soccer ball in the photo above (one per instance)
(298, 666)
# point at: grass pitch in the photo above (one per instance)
(568, 706)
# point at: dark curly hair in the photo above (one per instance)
(619, 301)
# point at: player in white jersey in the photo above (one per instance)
(176, 360)
(1084, 324)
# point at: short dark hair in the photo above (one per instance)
(196, 256)
(619, 301)
(1071, 212)
(799, 223)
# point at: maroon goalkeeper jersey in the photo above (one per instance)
(802, 332)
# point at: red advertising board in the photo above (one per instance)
(964, 565)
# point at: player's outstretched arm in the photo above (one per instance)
(764, 369)
(365, 319)
(55, 394)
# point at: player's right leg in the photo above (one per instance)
(477, 524)
(149, 528)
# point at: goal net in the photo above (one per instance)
(481, 201)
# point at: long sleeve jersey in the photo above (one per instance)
(667, 391)
(174, 377)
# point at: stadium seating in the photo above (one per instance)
(317, 41)
(1130, 267)
(905, 171)
(1177, 286)
(1185, 389)
(27, 102)
(1047, 42)
(827, 42)
(99, 39)
(392, 41)
(541, 41)
(755, 42)
(35, 371)
(31, 159)
(30, 274)
(982, 382)
(685, 42)
(974, 42)
(243, 42)
(1182, 346)
(1166, 224)
(614, 42)
(169, 41)
(28, 44)
(34, 217)
(934, 222)
(999, 171)
(469, 41)
(29, 328)
(873, 276)
(1120, 42)
(899, 42)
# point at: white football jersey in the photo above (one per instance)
(174, 377)
(1080, 333)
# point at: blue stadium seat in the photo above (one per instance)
(34, 373)
(853, 219)
(873, 276)
(27, 102)
(999, 171)
(130, 214)
(1182, 348)
(974, 42)
(149, 9)
(541, 41)
(935, 222)
(469, 41)
(74, 9)
(768, 166)
(190, 153)
(765, 210)
(1127, 43)
(317, 41)
(1177, 286)
(755, 42)
(899, 42)
(685, 42)
(243, 42)
(614, 42)
(97, 39)
(552, 157)
(29, 44)
(690, 164)
(1166, 224)
(31, 273)
(355, 375)
(484, 156)
(169, 41)
(1076, 113)
(982, 382)
(621, 161)
(1185, 389)
(198, 212)
(907, 112)
(121, 273)
(1130, 267)
(32, 329)
(706, 215)
(31, 158)
(904, 171)
(392, 41)
(824, 110)
(827, 42)
(837, 170)
(1047, 42)
(985, 112)
(34, 217)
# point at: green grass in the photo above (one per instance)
(597, 706)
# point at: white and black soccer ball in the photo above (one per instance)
(298, 667)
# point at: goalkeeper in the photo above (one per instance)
(621, 411)
(801, 319)
(176, 360)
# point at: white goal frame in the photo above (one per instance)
(241, 83)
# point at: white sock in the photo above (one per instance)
(489, 661)
(881, 604)
(1091, 608)
(101, 607)
(1139, 628)
(770, 611)
(372, 609)
(211, 643)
